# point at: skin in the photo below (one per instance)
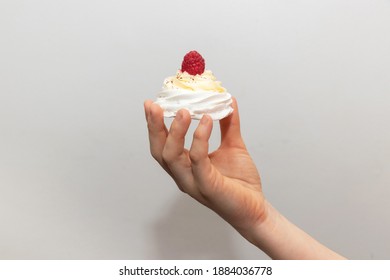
(227, 181)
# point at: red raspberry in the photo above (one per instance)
(193, 63)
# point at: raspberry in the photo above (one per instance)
(193, 63)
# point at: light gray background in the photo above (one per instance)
(312, 79)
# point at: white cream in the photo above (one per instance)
(215, 104)
(198, 94)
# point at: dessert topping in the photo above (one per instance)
(193, 63)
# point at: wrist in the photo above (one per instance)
(280, 239)
(263, 228)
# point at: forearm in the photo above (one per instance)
(280, 239)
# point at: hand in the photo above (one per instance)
(226, 180)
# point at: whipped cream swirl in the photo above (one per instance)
(198, 94)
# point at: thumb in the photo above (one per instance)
(230, 128)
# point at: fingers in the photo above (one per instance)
(175, 155)
(147, 104)
(168, 147)
(230, 128)
(157, 130)
(199, 152)
(200, 145)
(174, 146)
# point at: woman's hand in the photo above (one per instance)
(226, 180)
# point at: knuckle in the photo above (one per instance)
(194, 156)
(198, 135)
(181, 188)
(155, 155)
(167, 156)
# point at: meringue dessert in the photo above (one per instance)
(195, 89)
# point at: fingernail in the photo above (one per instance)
(204, 120)
(179, 115)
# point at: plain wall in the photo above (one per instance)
(312, 80)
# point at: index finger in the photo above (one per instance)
(157, 130)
